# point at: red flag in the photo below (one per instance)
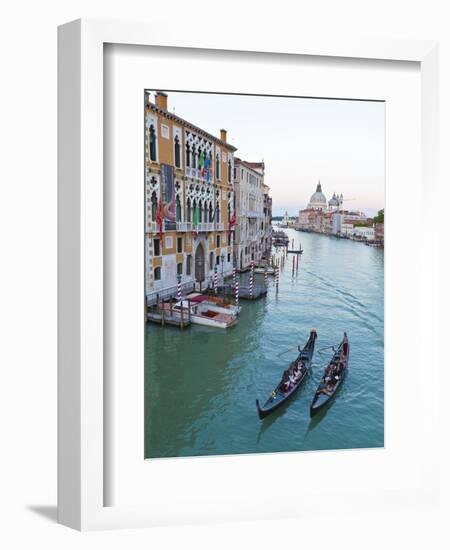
(232, 222)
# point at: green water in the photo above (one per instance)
(201, 384)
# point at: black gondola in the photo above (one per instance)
(332, 378)
(284, 390)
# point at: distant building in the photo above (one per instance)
(267, 211)
(329, 217)
(318, 201)
(364, 232)
(251, 197)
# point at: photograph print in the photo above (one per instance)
(264, 273)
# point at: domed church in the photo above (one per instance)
(318, 201)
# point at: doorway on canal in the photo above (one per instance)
(200, 264)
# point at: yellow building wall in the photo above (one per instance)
(165, 146)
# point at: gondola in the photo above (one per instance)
(333, 377)
(280, 394)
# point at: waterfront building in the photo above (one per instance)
(346, 217)
(251, 220)
(366, 233)
(189, 202)
(267, 229)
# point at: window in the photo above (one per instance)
(156, 247)
(229, 238)
(177, 152)
(217, 166)
(154, 206)
(229, 213)
(218, 241)
(228, 257)
(157, 274)
(188, 211)
(211, 260)
(188, 155)
(210, 213)
(188, 264)
(152, 143)
(178, 209)
(179, 245)
(217, 214)
(217, 260)
(180, 268)
(194, 158)
(229, 171)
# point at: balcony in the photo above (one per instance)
(203, 226)
(152, 227)
(219, 226)
(184, 226)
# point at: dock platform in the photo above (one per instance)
(167, 318)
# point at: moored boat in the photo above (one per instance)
(206, 314)
(261, 268)
(332, 378)
(214, 301)
(279, 238)
(292, 378)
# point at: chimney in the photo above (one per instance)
(161, 100)
(223, 135)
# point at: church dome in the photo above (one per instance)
(318, 200)
(333, 201)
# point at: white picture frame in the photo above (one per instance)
(81, 482)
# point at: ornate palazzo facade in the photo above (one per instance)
(189, 203)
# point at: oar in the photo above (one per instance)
(286, 351)
(323, 349)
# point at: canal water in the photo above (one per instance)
(201, 384)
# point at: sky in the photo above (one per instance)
(339, 142)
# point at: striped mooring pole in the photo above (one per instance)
(236, 291)
(179, 288)
(234, 275)
(252, 267)
(277, 277)
(215, 280)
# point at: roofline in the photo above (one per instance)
(172, 116)
(247, 164)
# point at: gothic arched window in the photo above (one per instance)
(188, 210)
(177, 152)
(217, 166)
(194, 158)
(154, 206)
(210, 213)
(152, 143)
(188, 155)
(178, 209)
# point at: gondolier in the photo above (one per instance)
(333, 377)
